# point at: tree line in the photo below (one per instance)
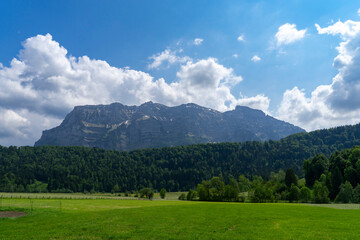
(281, 186)
(81, 169)
(335, 179)
(338, 175)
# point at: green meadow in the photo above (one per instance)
(170, 219)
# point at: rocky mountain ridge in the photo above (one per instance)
(120, 127)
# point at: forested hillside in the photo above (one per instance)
(79, 169)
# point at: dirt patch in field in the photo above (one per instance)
(11, 214)
(232, 228)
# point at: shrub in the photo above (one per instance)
(321, 193)
(262, 194)
(191, 195)
(182, 196)
(305, 194)
(345, 193)
(147, 193)
(294, 194)
(356, 194)
(162, 193)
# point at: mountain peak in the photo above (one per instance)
(120, 127)
(147, 103)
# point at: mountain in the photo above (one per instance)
(120, 127)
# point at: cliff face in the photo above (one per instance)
(121, 127)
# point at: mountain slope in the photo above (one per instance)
(150, 125)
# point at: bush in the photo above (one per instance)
(321, 193)
(262, 194)
(241, 198)
(294, 194)
(203, 191)
(115, 189)
(162, 193)
(182, 197)
(345, 193)
(277, 197)
(191, 195)
(147, 193)
(284, 195)
(305, 194)
(356, 194)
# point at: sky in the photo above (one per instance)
(296, 60)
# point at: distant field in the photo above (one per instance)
(169, 196)
(161, 219)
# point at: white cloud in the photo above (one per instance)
(167, 56)
(235, 55)
(346, 30)
(11, 124)
(358, 11)
(207, 73)
(241, 38)
(198, 41)
(258, 102)
(288, 33)
(43, 84)
(255, 58)
(339, 102)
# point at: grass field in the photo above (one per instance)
(144, 219)
(169, 196)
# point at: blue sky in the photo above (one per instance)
(268, 55)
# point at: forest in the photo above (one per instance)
(335, 179)
(81, 169)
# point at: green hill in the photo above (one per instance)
(78, 169)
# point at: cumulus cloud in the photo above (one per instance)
(235, 55)
(346, 30)
(11, 124)
(208, 83)
(167, 56)
(258, 102)
(339, 102)
(288, 33)
(241, 38)
(44, 83)
(255, 58)
(207, 73)
(198, 41)
(358, 11)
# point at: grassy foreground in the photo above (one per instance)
(142, 219)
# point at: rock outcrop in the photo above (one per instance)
(120, 127)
